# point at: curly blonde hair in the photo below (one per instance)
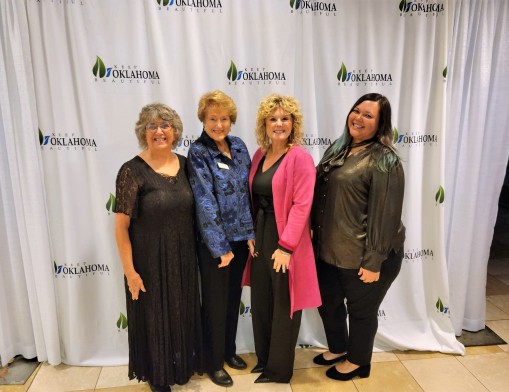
(152, 112)
(217, 99)
(267, 106)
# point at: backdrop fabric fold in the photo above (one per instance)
(477, 150)
(28, 310)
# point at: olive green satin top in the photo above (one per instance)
(356, 214)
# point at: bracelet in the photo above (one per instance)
(285, 253)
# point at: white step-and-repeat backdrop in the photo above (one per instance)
(97, 62)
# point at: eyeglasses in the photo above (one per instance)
(154, 127)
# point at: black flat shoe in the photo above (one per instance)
(257, 369)
(262, 378)
(236, 362)
(362, 372)
(221, 378)
(320, 360)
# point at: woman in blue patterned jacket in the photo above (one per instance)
(219, 166)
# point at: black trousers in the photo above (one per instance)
(220, 292)
(362, 302)
(275, 333)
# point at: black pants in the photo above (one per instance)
(275, 333)
(221, 293)
(362, 301)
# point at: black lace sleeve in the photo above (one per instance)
(127, 189)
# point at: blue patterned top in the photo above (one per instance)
(221, 193)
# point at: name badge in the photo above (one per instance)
(222, 165)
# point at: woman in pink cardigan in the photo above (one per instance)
(282, 271)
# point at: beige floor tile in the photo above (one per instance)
(384, 356)
(412, 354)
(478, 350)
(13, 388)
(245, 383)
(500, 301)
(443, 375)
(492, 370)
(314, 379)
(504, 347)
(126, 388)
(198, 384)
(494, 313)
(64, 378)
(304, 357)
(494, 286)
(500, 327)
(89, 390)
(393, 376)
(114, 376)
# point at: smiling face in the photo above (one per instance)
(278, 126)
(159, 135)
(363, 121)
(217, 124)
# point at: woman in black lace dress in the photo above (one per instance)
(155, 239)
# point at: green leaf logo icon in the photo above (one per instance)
(444, 72)
(41, 137)
(99, 69)
(440, 195)
(439, 305)
(164, 2)
(295, 4)
(122, 321)
(242, 308)
(342, 73)
(232, 72)
(55, 266)
(110, 204)
(395, 135)
(402, 5)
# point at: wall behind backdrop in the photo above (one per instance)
(83, 70)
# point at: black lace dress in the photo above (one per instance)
(164, 323)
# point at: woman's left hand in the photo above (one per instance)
(251, 246)
(368, 276)
(281, 260)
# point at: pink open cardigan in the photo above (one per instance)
(293, 187)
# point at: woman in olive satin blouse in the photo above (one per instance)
(358, 234)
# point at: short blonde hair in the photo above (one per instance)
(217, 99)
(267, 106)
(152, 112)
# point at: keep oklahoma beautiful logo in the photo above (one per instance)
(362, 77)
(66, 141)
(202, 6)
(124, 74)
(421, 8)
(316, 8)
(250, 76)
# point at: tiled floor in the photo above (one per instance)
(484, 368)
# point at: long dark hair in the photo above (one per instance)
(384, 134)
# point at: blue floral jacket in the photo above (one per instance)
(221, 193)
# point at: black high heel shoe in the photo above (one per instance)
(320, 360)
(362, 372)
